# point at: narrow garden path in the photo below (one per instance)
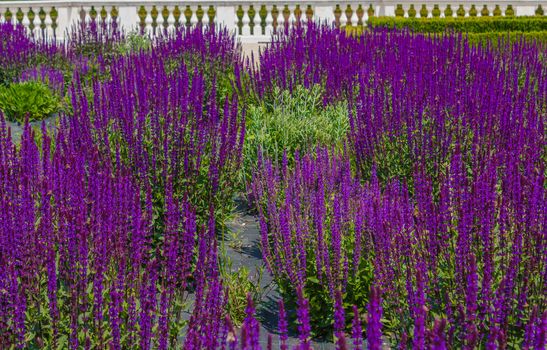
(246, 253)
(17, 129)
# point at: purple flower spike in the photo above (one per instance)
(357, 330)
(374, 326)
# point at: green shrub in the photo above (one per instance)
(239, 284)
(293, 121)
(134, 42)
(463, 24)
(321, 301)
(8, 74)
(493, 38)
(31, 98)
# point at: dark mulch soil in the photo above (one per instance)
(248, 254)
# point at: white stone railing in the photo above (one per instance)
(251, 20)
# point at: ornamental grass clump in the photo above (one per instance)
(294, 121)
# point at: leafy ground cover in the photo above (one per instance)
(397, 178)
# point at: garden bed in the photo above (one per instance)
(380, 190)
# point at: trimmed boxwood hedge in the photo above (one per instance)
(494, 38)
(465, 24)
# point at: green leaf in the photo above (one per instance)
(313, 279)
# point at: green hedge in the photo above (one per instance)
(465, 24)
(481, 38)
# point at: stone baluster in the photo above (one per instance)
(269, 21)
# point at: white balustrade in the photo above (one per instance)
(250, 20)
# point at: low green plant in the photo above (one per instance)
(394, 157)
(235, 240)
(31, 98)
(240, 283)
(292, 121)
(134, 42)
(8, 74)
(39, 330)
(321, 301)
